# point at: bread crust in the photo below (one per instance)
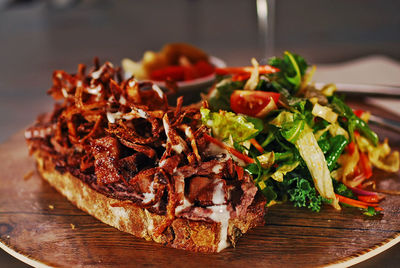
(199, 236)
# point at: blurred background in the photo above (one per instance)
(37, 37)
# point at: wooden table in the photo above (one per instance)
(44, 228)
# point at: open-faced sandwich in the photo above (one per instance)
(118, 151)
(197, 177)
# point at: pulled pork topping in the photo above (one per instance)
(123, 139)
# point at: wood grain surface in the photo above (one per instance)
(37, 222)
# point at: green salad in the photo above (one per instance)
(300, 143)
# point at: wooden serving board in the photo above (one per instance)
(39, 226)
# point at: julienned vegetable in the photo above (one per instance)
(299, 143)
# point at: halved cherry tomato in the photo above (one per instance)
(254, 103)
(358, 113)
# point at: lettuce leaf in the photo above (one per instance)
(227, 124)
(317, 165)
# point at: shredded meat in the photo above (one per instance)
(123, 139)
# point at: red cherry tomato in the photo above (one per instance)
(254, 103)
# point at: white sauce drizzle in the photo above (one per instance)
(166, 126)
(188, 132)
(158, 90)
(111, 98)
(94, 90)
(185, 205)
(132, 83)
(142, 113)
(156, 205)
(97, 74)
(217, 169)
(162, 163)
(111, 117)
(221, 214)
(64, 92)
(215, 149)
(118, 115)
(122, 100)
(128, 116)
(178, 148)
(219, 194)
(149, 196)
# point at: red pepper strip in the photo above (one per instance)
(356, 203)
(239, 171)
(351, 147)
(365, 165)
(233, 151)
(368, 198)
(262, 69)
(256, 145)
(241, 77)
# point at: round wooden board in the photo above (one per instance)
(40, 227)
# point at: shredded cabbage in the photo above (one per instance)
(316, 163)
(348, 163)
(267, 159)
(283, 170)
(325, 113)
(252, 83)
(328, 89)
(307, 78)
(381, 155)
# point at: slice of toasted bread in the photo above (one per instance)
(185, 234)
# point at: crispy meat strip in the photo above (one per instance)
(176, 141)
(106, 153)
(146, 150)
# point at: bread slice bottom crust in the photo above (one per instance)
(199, 236)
